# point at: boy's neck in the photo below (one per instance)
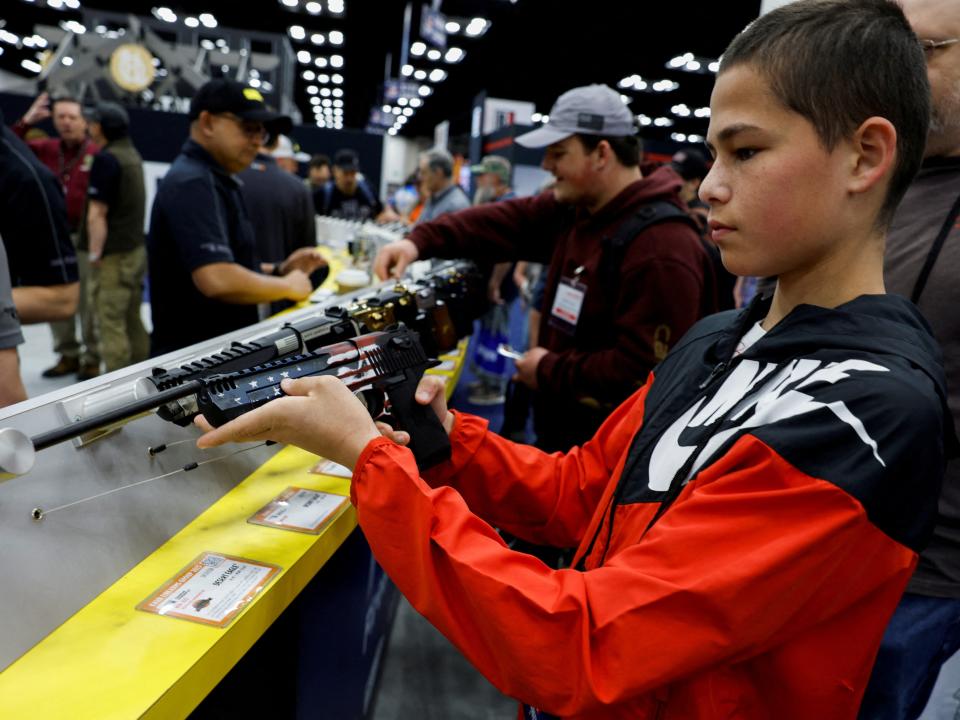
(831, 283)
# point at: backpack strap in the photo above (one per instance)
(614, 247)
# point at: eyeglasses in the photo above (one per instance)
(929, 46)
(253, 130)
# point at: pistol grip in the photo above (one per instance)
(428, 439)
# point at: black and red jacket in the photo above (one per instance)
(745, 526)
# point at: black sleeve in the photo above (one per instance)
(33, 219)
(104, 178)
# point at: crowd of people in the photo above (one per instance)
(754, 500)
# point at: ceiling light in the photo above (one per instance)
(72, 4)
(408, 111)
(703, 112)
(297, 32)
(663, 122)
(420, 75)
(254, 83)
(418, 49)
(314, 101)
(67, 60)
(401, 101)
(191, 22)
(545, 118)
(313, 8)
(335, 6)
(692, 66)
(679, 137)
(644, 119)
(714, 66)
(338, 92)
(303, 56)
(536, 117)
(453, 26)
(395, 110)
(336, 37)
(55, 4)
(308, 75)
(387, 108)
(454, 55)
(30, 65)
(208, 20)
(336, 61)
(338, 103)
(625, 99)
(437, 75)
(392, 131)
(425, 90)
(337, 79)
(694, 138)
(317, 39)
(323, 78)
(416, 102)
(290, 3)
(311, 89)
(207, 44)
(476, 27)
(325, 92)
(433, 55)
(320, 62)
(406, 70)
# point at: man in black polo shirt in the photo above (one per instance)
(33, 227)
(205, 274)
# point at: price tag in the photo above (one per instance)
(212, 590)
(301, 510)
(329, 467)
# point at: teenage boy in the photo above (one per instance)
(747, 520)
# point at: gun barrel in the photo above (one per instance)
(125, 412)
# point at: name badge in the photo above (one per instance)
(567, 304)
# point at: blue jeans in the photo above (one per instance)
(922, 635)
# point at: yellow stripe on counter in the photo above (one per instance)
(112, 661)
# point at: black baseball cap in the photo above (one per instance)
(110, 115)
(690, 164)
(223, 95)
(346, 159)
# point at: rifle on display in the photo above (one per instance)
(379, 346)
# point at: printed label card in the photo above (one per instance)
(301, 510)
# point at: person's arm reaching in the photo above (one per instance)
(232, 283)
(46, 303)
(11, 385)
(96, 229)
(495, 232)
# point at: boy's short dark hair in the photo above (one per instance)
(627, 148)
(319, 161)
(839, 62)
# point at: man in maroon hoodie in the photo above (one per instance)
(69, 157)
(616, 299)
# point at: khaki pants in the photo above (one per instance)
(65, 331)
(115, 293)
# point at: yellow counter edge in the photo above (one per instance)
(111, 661)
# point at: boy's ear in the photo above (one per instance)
(874, 147)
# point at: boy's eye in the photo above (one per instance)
(745, 153)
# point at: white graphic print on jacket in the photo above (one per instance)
(778, 398)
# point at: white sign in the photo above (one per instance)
(301, 510)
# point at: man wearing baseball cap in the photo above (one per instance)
(614, 302)
(112, 235)
(206, 278)
(347, 195)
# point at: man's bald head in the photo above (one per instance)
(939, 21)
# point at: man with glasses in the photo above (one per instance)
(206, 278)
(922, 262)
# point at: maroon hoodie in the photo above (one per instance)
(623, 331)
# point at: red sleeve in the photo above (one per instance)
(517, 229)
(547, 499)
(752, 553)
(658, 300)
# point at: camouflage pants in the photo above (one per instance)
(115, 293)
(65, 331)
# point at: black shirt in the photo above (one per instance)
(198, 218)
(362, 205)
(280, 208)
(104, 178)
(33, 218)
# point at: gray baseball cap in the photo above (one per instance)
(589, 110)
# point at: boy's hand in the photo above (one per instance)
(320, 415)
(393, 259)
(298, 285)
